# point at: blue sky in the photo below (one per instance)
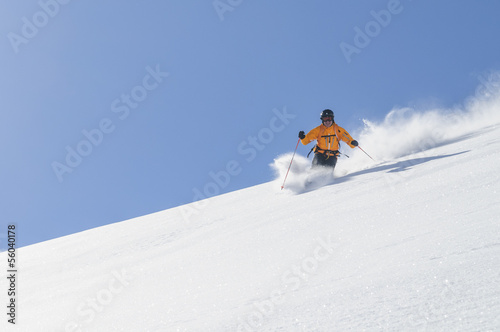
(160, 100)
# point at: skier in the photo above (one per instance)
(328, 136)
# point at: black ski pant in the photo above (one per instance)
(324, 160)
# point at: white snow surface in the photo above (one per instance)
(410, 242)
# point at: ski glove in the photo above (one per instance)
(355, 143)
(302, 135)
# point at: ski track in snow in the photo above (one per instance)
(409, 243)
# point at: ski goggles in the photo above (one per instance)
(327, 118)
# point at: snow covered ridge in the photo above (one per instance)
(408, 244)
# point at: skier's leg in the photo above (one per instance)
(318, 160)
(325, 161)
(331, 162)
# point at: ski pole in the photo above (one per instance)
(290, 164)
(366, 153)
(344, 154)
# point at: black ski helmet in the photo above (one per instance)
(326, 113)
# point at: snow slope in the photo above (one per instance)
(410, 243)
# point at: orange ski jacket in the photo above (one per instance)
(328, 137)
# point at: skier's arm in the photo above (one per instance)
(311, 136)
(344, 135)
